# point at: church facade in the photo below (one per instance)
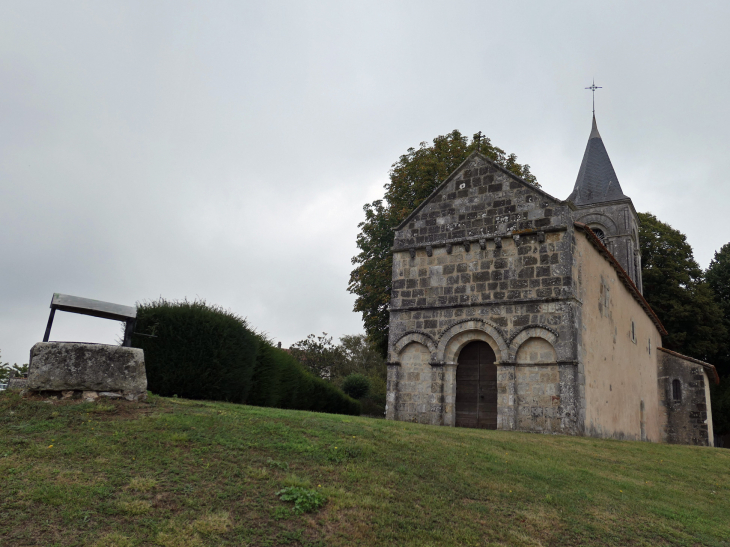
(515, 310)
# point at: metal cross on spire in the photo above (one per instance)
(593, 89)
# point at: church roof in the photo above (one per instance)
(597, 181)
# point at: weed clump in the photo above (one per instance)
(135, 507)
(212, 524)
(114, 540)
(305, 500)
(141, 484)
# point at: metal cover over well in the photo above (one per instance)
(87, 306)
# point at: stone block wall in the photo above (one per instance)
(426, 299)
(538, 398)
(689, 417)
(506, 397)
(537, 383)
(486, 257)
(415, 387)
(480, 199)
(17, 383)
(518, 269)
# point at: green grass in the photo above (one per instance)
(174, 472)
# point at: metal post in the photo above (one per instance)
(128, 331)
(50, 322)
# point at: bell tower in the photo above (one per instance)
(601, 204)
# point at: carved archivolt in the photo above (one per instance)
(453, 339)
(531, 331)
(415, 336)
(598, 218)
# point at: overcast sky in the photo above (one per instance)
(224, 150)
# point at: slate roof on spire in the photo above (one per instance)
(597, 181)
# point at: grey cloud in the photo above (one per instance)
(224, 150)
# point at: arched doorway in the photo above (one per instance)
(476, 387)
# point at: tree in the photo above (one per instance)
(412, 179)
(718, 277)
(356, 386)
(362, 357)
(319, 355)
(7, 369)
(354, 355)
(675, 288)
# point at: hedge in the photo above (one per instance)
(281, 381)
(200, 351)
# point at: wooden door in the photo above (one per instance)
(476, 387)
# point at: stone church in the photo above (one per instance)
(514, 310)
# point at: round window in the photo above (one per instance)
(599, 234)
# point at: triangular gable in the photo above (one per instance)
(470, 163)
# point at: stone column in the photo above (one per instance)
(391, 399)
(506, 396)
(436, 399)
(449, 394)
(572, 397)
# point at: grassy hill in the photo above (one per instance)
(174, 472)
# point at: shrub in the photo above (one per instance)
(199, 351)
(356, 386)
(266, 377)
(279, 380)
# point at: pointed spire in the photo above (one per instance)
(597, 181)
(594, 130)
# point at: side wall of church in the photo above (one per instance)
(488, 258)
(618, 356)
(685, 404)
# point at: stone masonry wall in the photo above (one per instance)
(431, 292)
(419, 387)
(689, 420)
(538, 398)
(492, 251)
(538, 387)
(480, 199)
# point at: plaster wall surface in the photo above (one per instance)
(619, 362)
